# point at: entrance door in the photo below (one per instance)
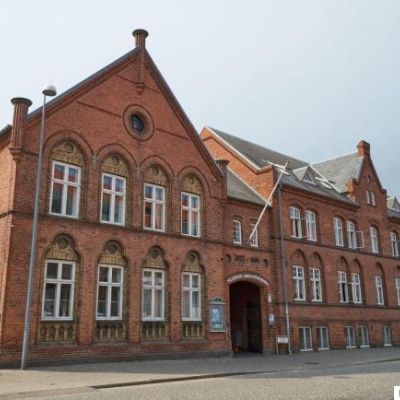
(245, 317)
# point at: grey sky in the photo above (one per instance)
(309, 78)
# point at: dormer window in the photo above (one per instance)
(308, 178)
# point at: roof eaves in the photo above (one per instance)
(234, 149)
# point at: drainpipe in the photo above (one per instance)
(283, 268)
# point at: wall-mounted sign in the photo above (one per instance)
(217, 315)
(247, 276)
(282, 339)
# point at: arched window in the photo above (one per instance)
(237, 231)
(338, 226)
(298, 275)
(351, 235)
(191, 206)
(66, 171)
(356, 288)
(113, 190)
(342, 277)
(295, 218)
(316, 278)
(373, 234)
(379, 286)
(311, 225)
(58, 319)
(155, 197)
(154, 295)
(394, 240)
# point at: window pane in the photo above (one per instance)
(56, 201)
(52, 270)
(103, 274)
(160, 194)
(102, 301)
(185, 200)
(49, 300)
(147, 214)
(146, 312)
(118, 209)
(105, 210)
(194, 202)
(186, 280)
(185, 222)
(147, 280)
(71, 200)
(107, 182)
(158, 293)
(196, 304)
(65, 294)
(159, 216)
(195, 281)
(148, 192)
(186, 304)
(115, 300)
(194, 223)
(158, 281)
(66, 272)
(59, 171)
(119, 185)
(116, 275)
(72, 175)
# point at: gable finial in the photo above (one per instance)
(140, 36)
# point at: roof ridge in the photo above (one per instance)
(215, 130)
(335, 158)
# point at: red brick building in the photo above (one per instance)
(337, 247)
(143, 242)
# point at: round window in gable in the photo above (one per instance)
(138, 124)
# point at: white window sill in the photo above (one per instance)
(316, 301)
(112, 223)
(323, 349)
(188, 235)
(306, 350)
(350, 347)
(191, 320)
(153, 319)
(64, 215)
(55, 319)
(146, 228)
(364, 346)
(387, 345)
(109, 319)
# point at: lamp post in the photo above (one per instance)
(48, 91)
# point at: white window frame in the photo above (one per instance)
(254, 238)
(316, 284)
(58, 282)
(295, 218)
(398, 290)
(368, 197)
(338, 227)
(394, 240)
(325, 346)
(189, 208)
(372, 197)
(343, 287)
(113, 194)
(191, 290)
(380, 297)
(237, 231)
(153, 201)
(373, 234)
(350, 329)
(303, 340)
(311, 225)
(109, 285)
(356, 288)
(364, 336)
(299, 283)
(387, 336)
(65, 183)
(351, 235)
(153, 289)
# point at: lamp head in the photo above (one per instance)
(49, 91)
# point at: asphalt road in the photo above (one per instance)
(373, 381)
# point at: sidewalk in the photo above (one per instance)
(87, 377)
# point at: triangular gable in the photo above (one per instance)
(393, 203)
(87, 84)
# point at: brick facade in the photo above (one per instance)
(90, 128)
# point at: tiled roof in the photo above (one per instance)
(341, 169)
(261, 156)
(238, 189)
(258, 155)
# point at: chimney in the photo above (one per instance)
(363, 148)
(140, 36)
(21, 106)
(222, 164)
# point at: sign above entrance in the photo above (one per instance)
(245, 276)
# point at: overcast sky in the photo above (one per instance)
(307, 78)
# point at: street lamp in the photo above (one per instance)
(48, 91)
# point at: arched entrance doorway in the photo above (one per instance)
(245, 316)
